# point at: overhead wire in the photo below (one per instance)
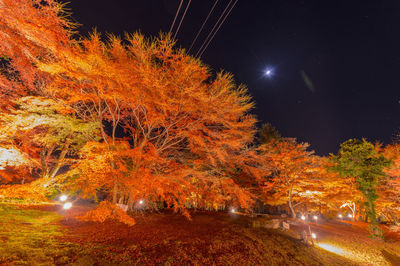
(202, 26)
(184, 14)
(213, 28)
(176, 15)
(222, 22)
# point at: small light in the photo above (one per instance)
(140, 201)
(303, 217)
(340, 216)
(315, 217)
(313, 235)
(268, 72)
(67, 205)
(233, 210)
(63, 198)
(350, 216)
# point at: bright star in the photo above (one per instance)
(269, 72)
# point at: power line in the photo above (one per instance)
(213, 28)
(184, 13)
(176, 15)
(202, 26)
(218, 27)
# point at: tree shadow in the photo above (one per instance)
(393, 259)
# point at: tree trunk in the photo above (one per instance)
(43, 163)
(115, 193)
(290, 202)
(60, 158)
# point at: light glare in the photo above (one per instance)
(303, 217)
(63, 197)
(314, 235)
(67, 205)
(140, 201)
(315, 217)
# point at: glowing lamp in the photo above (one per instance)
(140, 201)
(315, 217)
(67, 205)
(350, 216)
(303, 217)
(63, 198)
(233, 210)
(340, 216)
(313, 235)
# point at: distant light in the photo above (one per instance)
(268, 72)
(313, 235)
(340, 216)
(67, 205)
(315, 217)
(140, 201)
(233, 210)
(350, 216)
(63, 198)
(303, 217)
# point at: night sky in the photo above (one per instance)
(350, 50)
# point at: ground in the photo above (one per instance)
(41, 235)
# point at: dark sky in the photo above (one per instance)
(350, 50)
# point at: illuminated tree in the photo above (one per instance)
(360, 160)
(388, 202)
(293, 170)
(46, 131)
(30, 31)
(187, 136)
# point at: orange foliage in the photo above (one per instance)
(30, 31)
(187, 133)
(34, 191)
(107, 211)
(388, 202)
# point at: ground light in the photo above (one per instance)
(67, 206)
(63, 198)
(333, 249)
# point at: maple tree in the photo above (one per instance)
(293, 169)
(30, 31)
(184, 133)
(46, 131)
(389, 187)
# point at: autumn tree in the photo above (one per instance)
(388, 202)
(293, 169)
(46, 131)
(30, 31)
(360, 160)
(185, 134)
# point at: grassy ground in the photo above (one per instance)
(35, 236)
(29, 237)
